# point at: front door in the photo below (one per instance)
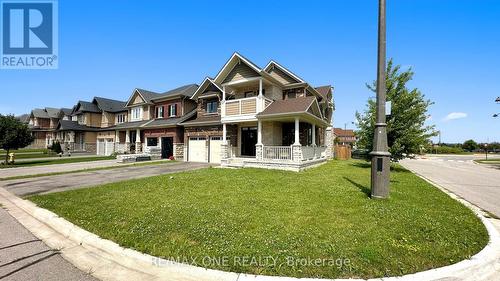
(167, 147)
(248, 141)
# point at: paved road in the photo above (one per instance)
(30, 186)
(52, 168)
(477, 183)
(24, 257)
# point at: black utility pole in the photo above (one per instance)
(380, 154)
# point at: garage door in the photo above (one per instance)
(101, 147)
(110, 147)
(197, 150)
(105, 147)
(215, 143)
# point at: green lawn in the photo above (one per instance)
(209, 216)
(57, 160)
(488, 161)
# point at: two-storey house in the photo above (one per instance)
(43, 124)
(259, 117)
(153, 124)
(88, 130)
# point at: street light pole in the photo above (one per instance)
(380, 154)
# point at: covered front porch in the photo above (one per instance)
(289, 143)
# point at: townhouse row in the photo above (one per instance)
(244, 116)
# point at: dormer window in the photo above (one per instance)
(211, 106)
(159, 112)
(172, 110)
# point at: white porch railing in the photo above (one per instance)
(277, 153)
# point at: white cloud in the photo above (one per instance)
(455, 115)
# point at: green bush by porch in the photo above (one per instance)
(321, 213)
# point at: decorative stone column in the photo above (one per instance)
(329, 143)
(296, 153)
(127, 141)
(259, 152)
(138, 141)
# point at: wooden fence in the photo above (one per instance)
(342, 152)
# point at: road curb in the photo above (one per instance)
(107, 260)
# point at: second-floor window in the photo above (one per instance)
(172, 110)
(120, 118)
(136, 113)
(159, 112)
(211, 106)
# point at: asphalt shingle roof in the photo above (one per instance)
(68, 125)
(148, 95)
(204, 119)
(110, 105)
(186, 90)
(53, 112)
(323, 90)
(39, 113)
(85, 106)
(300, 104)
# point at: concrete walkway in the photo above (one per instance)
(25, 257)
(30, 186)
(476, 183)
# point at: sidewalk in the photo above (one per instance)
(25, 257)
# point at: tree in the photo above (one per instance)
(470, 145)
(13, 134)
(406, 129)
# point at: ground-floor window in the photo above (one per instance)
(152, 141)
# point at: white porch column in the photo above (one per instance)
(260, 87)
(259, 132)
(223, 102)
(224, 133)
(117, 136)
(297, 136)
(313, 134)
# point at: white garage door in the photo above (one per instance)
(101, 147)
(110, 147)
(215, 143)
(105, 147)
(197, 150)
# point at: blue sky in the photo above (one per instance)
(107, 48)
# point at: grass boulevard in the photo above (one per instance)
(317, 223)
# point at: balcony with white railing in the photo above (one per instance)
(245, 108)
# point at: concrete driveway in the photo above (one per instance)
(476, 183)
(30, 186)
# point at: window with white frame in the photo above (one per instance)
(172, 110)
(159, 112)
(136, 113)
(120, 118)
(212, 106)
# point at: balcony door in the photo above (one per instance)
(248, 141)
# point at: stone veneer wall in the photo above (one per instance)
(179, 151)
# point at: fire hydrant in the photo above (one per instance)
(12, 157)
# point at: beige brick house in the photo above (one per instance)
(249, 116)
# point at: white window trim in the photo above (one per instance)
(133, 111)
(171, 108)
